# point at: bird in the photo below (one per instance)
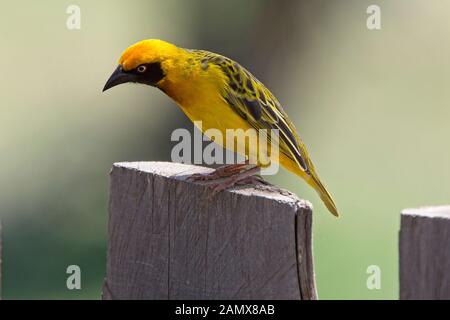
(222, 94)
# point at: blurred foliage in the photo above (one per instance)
(371, 105)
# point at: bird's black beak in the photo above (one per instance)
(119, 76)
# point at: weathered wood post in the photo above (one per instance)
(425, 253)
(167, 240)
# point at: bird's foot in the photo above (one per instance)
(219, 173)
(241, 178)
(228, 176)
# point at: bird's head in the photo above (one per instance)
(147, 62)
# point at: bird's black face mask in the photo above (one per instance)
(148, 73)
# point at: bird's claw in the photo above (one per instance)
(219, 173)
(226, 177)
(200, 177)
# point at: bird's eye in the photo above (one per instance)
(141, 68)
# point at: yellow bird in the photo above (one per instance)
(221, 94)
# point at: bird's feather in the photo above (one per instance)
(249, 98)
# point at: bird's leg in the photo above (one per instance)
(241, 177)
(219, 173)
(228, 176)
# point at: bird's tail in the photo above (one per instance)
(315, 182)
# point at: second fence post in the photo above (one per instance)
(425, 253)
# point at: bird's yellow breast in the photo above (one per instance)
(198, 92)
(199, 95)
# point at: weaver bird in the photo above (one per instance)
(223, 95)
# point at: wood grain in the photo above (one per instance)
(168, 241)
(425, 253)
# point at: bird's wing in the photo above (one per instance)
(249, 98)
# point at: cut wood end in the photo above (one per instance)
(180, 171)
(428, 212)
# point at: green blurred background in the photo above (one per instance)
(371, 105)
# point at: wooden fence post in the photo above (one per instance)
(425, 253)
(168, 241)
